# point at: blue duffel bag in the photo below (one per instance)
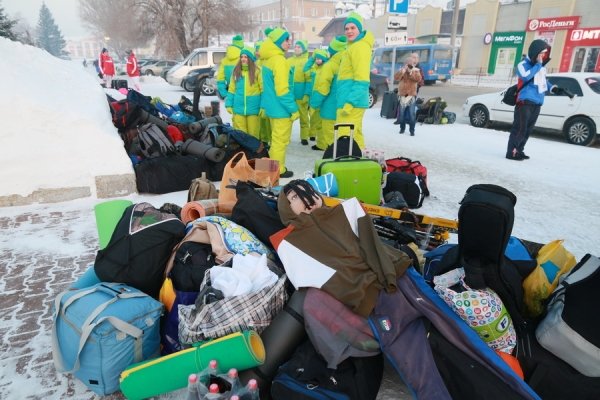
(99, 331)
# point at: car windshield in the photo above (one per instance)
(594, 83)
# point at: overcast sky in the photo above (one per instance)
(66, 12)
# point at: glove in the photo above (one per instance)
(347, 109)
(294, 116)
(568, 93)
(261, 113)
(229, 110)
(100, 75)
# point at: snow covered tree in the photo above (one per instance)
(48, 35)
(6, 25)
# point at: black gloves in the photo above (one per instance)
(100, 75)
(561, 91)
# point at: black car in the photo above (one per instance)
(378, 85)
(203, 77)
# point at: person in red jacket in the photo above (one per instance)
(133, 70)
(107, 68)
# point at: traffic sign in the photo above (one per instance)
(400, 37)
(397, 22)
(398, 6)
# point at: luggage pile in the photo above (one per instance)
(170, 145)
(180, 299)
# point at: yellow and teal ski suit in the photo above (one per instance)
(244, 99)
(353, 84)
(232, 56)
(300, 77)
(323, 98)
(277, 100)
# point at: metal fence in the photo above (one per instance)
(479, 77)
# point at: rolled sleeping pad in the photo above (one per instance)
(214, 154)
(193, 210)
(240, 350)
(200, 126)
(280, 338)
(108, 214)
(146, 118)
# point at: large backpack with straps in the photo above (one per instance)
(154, 142)
(306, 376)
(139, 248)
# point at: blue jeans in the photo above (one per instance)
(407, 114)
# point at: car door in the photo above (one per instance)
(558, 107)
(500, 111)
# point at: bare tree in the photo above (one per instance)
(190, 23)
(120, 20)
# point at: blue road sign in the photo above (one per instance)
(398, 6)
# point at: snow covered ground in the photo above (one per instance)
(558, 189)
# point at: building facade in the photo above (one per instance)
(303, 19)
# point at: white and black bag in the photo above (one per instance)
(154, 142)
(570, 330)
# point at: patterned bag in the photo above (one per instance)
(233, 314)
(482, 310)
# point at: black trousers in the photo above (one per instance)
(525, 117)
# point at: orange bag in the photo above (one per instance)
(261, 171)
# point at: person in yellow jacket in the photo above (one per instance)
(265, 127)
(320, 57)
(232, 56)
(277, 100)
(243, 99)
(354, 77)
(300, 77)
(324, 92)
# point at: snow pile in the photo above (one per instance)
(56, 124)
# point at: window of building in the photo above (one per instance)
(285, 12)
(313, 12)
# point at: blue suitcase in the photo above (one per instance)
(100, 330)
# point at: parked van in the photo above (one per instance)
(203, 57)
(435, 60)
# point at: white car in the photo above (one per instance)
(578, 118)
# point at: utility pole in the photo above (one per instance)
(455, 22)
(280, 13)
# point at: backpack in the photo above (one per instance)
(154, 142)
(485, 222)
(403, 164)
(412, 187)
(202, 189)
(139, 248)
(306, 376)
(432, 111)
(253, 212)
(124, 114)
(567, 331)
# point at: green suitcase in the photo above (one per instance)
(356, 176)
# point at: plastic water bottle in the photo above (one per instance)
(192, 389)
(232, 377)
(250, 392)
(213, 393)
(211, 369)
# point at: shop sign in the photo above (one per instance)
(508, 38)
(552, 24)
(584, 34)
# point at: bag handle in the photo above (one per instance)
(336, 128)
(87, 326)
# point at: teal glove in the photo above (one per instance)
(294, 116)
